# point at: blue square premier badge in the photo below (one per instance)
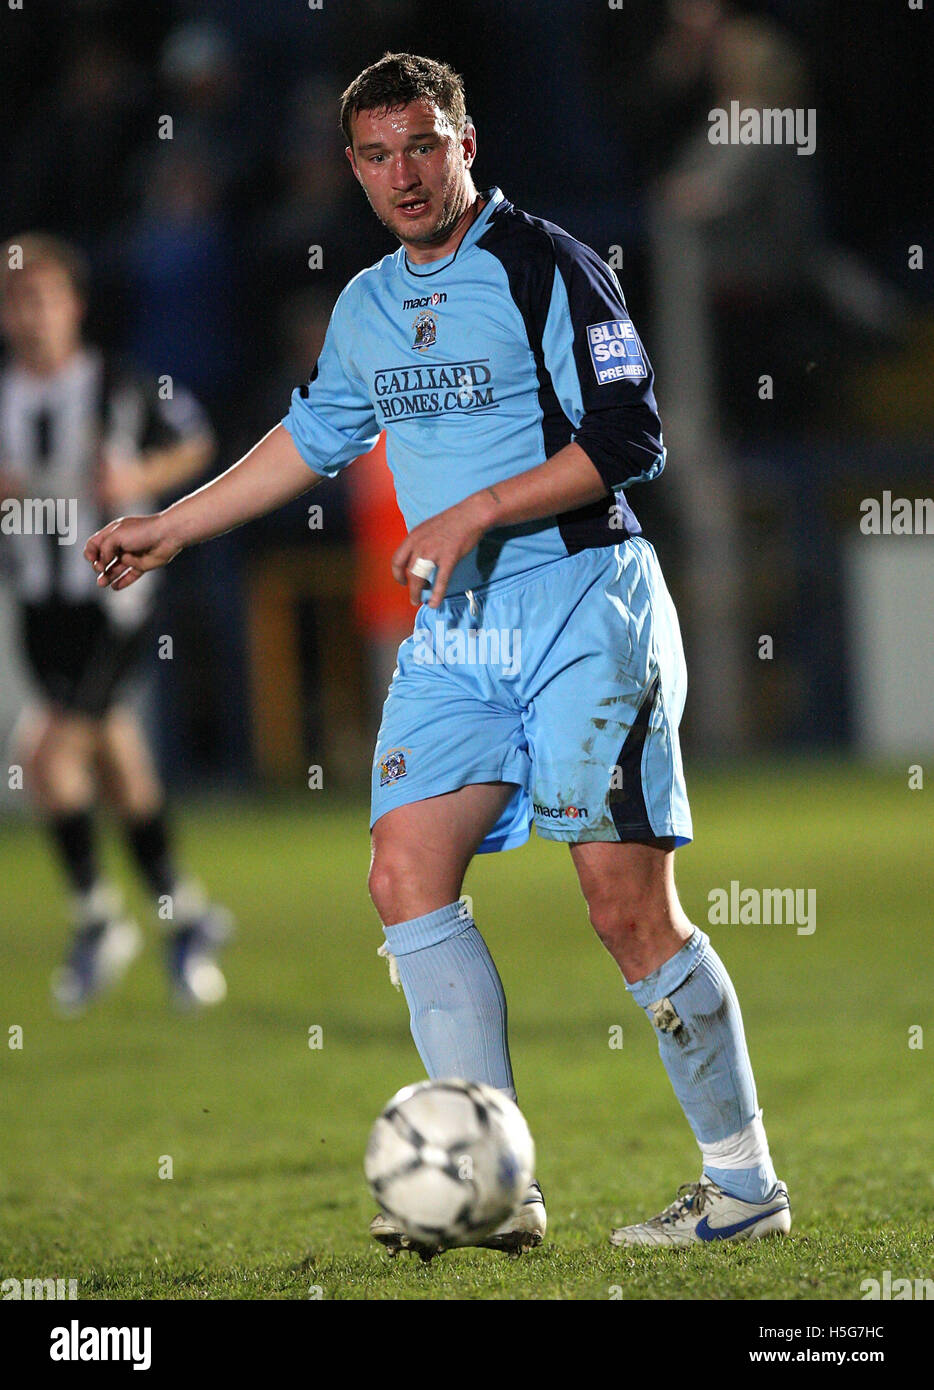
(615, 351)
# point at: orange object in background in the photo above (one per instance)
(383, 615)
(381, 606)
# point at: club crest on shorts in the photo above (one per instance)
(392, 766)
(426, 331)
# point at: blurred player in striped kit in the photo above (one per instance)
(80, 434)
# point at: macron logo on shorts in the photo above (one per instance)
(615, 351)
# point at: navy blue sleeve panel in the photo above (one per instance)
(612, 402)
(523, 248)
(594, 378)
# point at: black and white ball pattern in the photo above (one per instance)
(449, 1160)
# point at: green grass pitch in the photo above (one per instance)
(266, 1134)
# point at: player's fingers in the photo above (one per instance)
(123, 560)
(439, 585)
(110, 564)
(416, 585)
(94, 550)
(114, 568)
(111, 547)
(127, 577)
(106, 577)
(400, 562)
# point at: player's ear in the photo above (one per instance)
(469, 143)
(353, 163)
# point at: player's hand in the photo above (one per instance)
(443, 539)
(122, 552)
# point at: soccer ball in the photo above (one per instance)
(449, 1161)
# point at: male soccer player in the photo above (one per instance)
(79, 433)
(544, 679)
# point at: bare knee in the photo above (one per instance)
(383, 884)
(403, 885)
(60, 765)
(126, 766)
(641, 930)
(620, 918)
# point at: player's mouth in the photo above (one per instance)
(412, 207)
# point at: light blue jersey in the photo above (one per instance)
(554, 663)
(481, 366)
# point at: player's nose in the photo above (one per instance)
(404, 176)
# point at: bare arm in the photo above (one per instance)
(565, 481)
(271, 474)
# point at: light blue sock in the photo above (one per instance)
(693, 1005)
(455, 997)
(749, 1184)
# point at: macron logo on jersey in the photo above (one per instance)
(426, 301)
(615, 351)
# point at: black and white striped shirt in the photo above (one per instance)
(54, 431)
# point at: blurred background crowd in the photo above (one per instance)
(216, 255)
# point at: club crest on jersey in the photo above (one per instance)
(426, 331)
(392, 767)
(615, 351)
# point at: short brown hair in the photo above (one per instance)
(33, 249)
(400, 78)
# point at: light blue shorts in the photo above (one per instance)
(568, 681)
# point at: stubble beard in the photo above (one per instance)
(453, 208)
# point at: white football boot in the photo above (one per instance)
(525, 1228)
(196, 980)
(522, 1231)
(103, 946)
(702, 1211)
